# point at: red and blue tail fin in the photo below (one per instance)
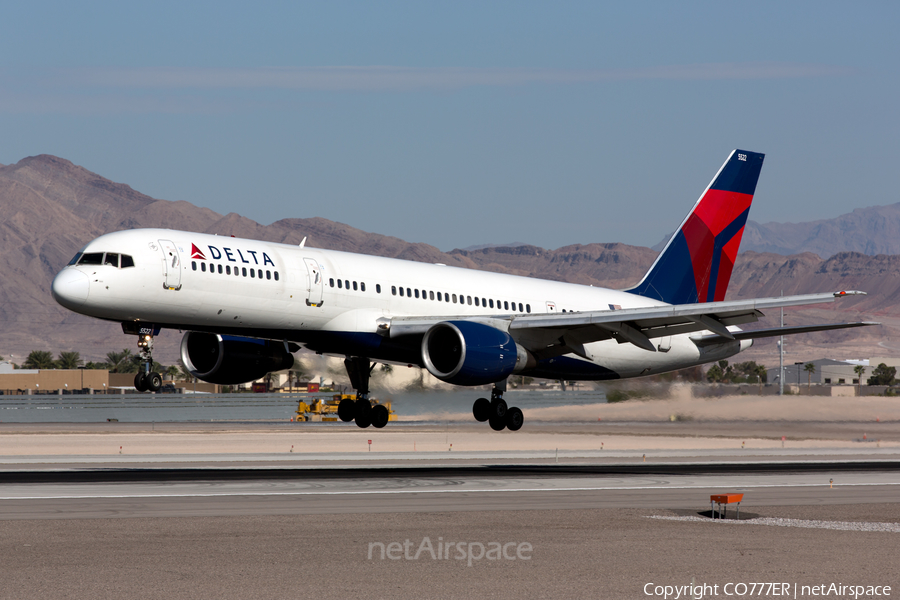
(696, 264)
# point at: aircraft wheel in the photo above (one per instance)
(363, 408)
(380, 416)
(498, 408)
(482, 409)
(497, 423)
(364, 420)
(153, 381)
(346, 410)
(514, 419)
(140, 383)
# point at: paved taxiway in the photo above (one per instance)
(96, 524)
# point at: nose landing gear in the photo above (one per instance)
(496, 412)
(146, 380)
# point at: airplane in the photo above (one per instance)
(247, 306)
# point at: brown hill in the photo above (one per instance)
(50, 208)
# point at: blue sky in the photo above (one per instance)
(461, 123)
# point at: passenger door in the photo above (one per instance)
(171, 265)
(315, 283)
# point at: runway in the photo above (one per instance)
(195, 522)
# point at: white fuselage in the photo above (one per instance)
(203, 282)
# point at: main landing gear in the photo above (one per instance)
(361, 410)
(146, 380)
(495, 411)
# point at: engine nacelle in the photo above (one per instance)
(468, 353)
(229, 360)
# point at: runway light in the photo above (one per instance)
(831, 484)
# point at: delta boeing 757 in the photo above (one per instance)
(248, 305)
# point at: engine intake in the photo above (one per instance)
(468, 353)
(229, 360)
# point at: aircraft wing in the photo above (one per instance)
(548, 335)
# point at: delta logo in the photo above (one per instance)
(216, 253)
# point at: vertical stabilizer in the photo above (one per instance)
(696, 264)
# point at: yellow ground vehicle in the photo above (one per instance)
(327, 409)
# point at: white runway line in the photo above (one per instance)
(807, 524)
(421, 491)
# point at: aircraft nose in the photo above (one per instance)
(70, 288)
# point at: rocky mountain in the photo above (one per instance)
(49, 208)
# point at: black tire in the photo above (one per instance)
(153, 381)
(364, 420)
(363, 408)
(498, 408)
(514, 419)
(140, 383)
(497, 423)
(346, 410)
(379, 416)
(482, 410)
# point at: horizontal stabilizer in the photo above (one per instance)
(778, 331)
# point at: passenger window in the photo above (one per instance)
(483, 302)
(331, 282)
(377, 288)
(431, 295)
(491, 303)
(401, 291)
(362, 286)
(354, 286)
(219, 268)
(74, 259)
(439, 297)
(340, 284)
(454, 298)
(194, 265)
(394, 290)
(112, 259)
(476, 301)
(228, 269)
(520, 307)
(268, 275)
(505, 305)
(276, 275)
(446, 297)
(469, 300)
(408, 293)
(236, 272)
(347, 283)
(91, 258)
(203, 267)
(244, 271)
(259, 273)
(417, 293)
(528, 308)
(252, 273)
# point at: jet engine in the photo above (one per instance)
(469, 353)
(229, 360)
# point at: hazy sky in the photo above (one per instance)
(462, 123)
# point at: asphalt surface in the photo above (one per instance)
(157, 527)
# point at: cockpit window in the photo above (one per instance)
(91, 258)
(100, 258)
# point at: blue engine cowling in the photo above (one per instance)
(467, 353)
(229, 360)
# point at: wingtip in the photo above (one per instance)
(843, 293)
